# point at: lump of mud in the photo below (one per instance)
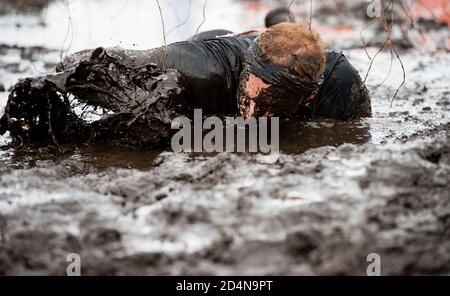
(235, 214)
(134, 105)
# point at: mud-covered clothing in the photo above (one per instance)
(342, 94)
(211, 69)
(210, 34)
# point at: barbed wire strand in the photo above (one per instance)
(185, 20)
(310, 13)
(204, 17)
(393, 47)
(291, 18)
(383, 46)
(362, 37)
(289, 7)
(69, 30)
(393, 50)
(164, 32)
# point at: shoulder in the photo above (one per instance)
(339, 68)
(342, 94)
(211, 34)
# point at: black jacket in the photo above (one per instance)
(212, 68)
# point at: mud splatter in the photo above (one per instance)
(237, 214)
(136, 104)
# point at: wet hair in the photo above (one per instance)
(290, 60)
(266, 88)
(295, 47)
(279, 15)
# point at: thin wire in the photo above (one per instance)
(204, 17)
(392, 46)
(291, 18)
(310, 13)
(164, 32)
(372, 60)
(393, 50)
(184, 22)
(389, 72)
(69, 30)
(362, 37)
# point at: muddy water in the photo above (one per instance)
(296, 137)
(422, 105)
(337, 192)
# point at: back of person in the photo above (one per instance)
(210, 68)
(342, 94)
(213, 66)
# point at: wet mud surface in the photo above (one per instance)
(134, 104)
(321, 212)
(337, 192)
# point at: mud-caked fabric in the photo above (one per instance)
(210, 69)
(211, 34)
(342, 95)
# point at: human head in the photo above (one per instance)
(282, 69)
(278, 16)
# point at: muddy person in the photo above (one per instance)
(341, 93)
(283, 71)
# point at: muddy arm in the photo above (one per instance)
(138, 100)
(127, 57)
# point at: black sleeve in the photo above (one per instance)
(210, 69)
(342, 94)
(210, 34)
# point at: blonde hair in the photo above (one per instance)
(295, 47)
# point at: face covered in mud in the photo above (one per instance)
(282, 70)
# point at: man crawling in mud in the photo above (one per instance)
(282, 71)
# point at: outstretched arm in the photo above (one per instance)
(136, 100)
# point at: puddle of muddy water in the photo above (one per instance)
(82, 160)
(296, 137)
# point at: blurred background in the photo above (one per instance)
(80, 24)
(73, 25)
